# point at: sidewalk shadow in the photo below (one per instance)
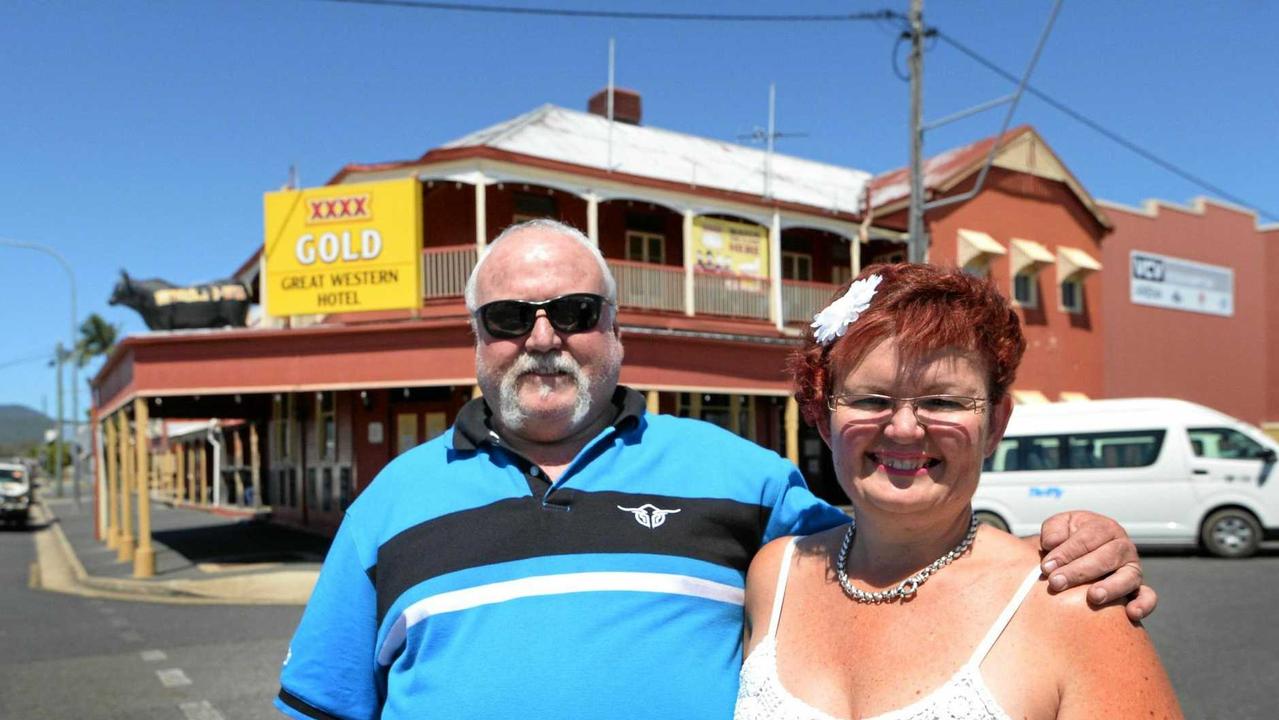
(246, 542)
(29, 527)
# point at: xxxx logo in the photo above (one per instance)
(354, 207)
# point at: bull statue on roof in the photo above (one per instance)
(164, 306)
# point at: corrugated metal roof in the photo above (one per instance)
(580, 138)
(893, 186)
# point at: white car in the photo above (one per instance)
(1171, 472)
(15, 493)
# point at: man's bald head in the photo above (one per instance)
(539, 227)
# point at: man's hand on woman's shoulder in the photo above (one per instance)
(1083, 547)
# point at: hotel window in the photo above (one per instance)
(282, 427)
(975, 250)
(1025, 290)
(840, 274)
(797, 266)
(1072, 295)
(1073, 265)
(529, 206)
(978, 267)
(645, 247)
(1026, 259)
(733, 413)
(326, 426)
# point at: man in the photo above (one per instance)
(561, 553)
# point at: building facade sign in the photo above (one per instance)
(726, 247)
(343, 248)
(1168, 282)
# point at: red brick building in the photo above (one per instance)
(1212, 335)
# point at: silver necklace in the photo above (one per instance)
(907, 587)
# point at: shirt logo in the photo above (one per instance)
(649, 515)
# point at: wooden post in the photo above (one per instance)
(735, 413)
(180, 472)
(113, 506)
(238, 474)
(654, 401)
(255, 465)
(202, 494)
(124, 551)
(144, 558)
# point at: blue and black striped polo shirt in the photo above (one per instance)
(462, 584)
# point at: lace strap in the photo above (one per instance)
(1004, 618)
(782, 573)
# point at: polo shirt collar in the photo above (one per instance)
(474, 428)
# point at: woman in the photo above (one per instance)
(916, 612)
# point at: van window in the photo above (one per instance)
(1077, 451)
(1224, 443)
(1116, 449)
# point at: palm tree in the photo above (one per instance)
(97, 337)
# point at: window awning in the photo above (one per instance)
(1072, 396)
(974, 244)
(1029, 397)
(1029, 256)
(1073, 261)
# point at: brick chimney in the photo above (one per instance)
(626, 105)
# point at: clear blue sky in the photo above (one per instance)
(141, 135)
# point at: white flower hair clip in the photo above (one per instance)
(833, 322)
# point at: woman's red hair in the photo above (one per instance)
(926, 309)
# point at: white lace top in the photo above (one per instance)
(964, 696)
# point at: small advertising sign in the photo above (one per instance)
(343, 248)
(1177, 284)
(726, 247)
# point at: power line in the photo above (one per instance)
(1110, 134)
(625, 15)
(22, 360)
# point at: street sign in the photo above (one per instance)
(1178, 284)
(344, 248)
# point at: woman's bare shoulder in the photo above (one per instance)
(1105, 663)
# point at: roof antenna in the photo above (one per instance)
(768, 136)
(611, 46)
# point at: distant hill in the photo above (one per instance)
(20, 426)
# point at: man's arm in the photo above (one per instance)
(329, 671)
(1081, 547)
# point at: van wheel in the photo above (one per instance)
(991, 519)
(1231, 533)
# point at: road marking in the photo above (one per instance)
(173, 677)
(118, 622)
(154, 655)
(201, 710)
(106, 609)
(131, 636)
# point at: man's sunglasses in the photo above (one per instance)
(574, 313)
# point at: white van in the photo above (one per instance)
(1170, 471)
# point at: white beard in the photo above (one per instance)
(513, 415)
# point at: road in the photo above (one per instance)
(64, 656)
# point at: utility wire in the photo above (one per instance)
(20, 361)
(625, 15)
(1110, 134)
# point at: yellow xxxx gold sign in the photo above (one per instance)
(343, 248)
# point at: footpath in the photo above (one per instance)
(200, 557)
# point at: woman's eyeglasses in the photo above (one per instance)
(575, 313)
(938, 409)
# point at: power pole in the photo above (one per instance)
(58, 355)
(918, 233)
